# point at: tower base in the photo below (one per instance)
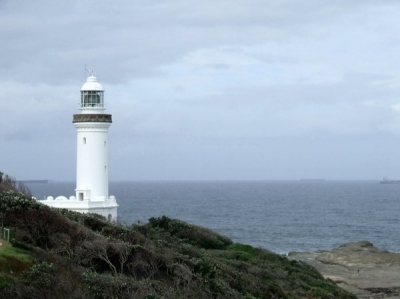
(107, 207)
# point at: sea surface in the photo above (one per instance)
(280, 216)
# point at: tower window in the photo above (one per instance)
(84, 140)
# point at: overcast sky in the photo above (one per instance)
(205, 90)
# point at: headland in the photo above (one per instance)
(359, 267)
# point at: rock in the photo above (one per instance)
(358, 267)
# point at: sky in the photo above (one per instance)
(205, 90)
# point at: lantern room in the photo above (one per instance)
(92, 96)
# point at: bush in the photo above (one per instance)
(84, 256)
(39, 275)
(8, 183)
(194, 235)
(4, 280)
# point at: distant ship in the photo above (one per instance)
(385, 180)
(313, 180)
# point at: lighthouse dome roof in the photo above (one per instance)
(92, 84)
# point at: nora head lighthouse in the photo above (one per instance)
(92, 157)
(92, 149)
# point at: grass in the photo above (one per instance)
(13, 260)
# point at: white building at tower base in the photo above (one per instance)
(107, 207)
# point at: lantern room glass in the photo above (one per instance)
(92, 99)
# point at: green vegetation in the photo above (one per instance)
(14, 259)
(8, 183)
(71, 255)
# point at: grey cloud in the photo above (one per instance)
(245, 89)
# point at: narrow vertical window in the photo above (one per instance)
(105, 168)
(84, 140)
(105, 143)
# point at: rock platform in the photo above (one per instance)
(359, 267)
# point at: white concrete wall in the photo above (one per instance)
(108, 208)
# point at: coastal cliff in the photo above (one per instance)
(62, 254)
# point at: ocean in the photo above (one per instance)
(280, 216)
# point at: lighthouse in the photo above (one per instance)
(91, 157)
(92, 149)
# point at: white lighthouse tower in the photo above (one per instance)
(92, 148)
(92, 157)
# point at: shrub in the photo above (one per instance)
(195, 235)
(4, 280)
(84, 256)
(40, 275)
(8, 183)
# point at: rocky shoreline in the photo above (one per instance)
(359, 267)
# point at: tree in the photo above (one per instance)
(9, 183)
(99, 249)
(123, 251)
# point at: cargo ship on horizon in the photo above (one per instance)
(385, 180)
(313, 180)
